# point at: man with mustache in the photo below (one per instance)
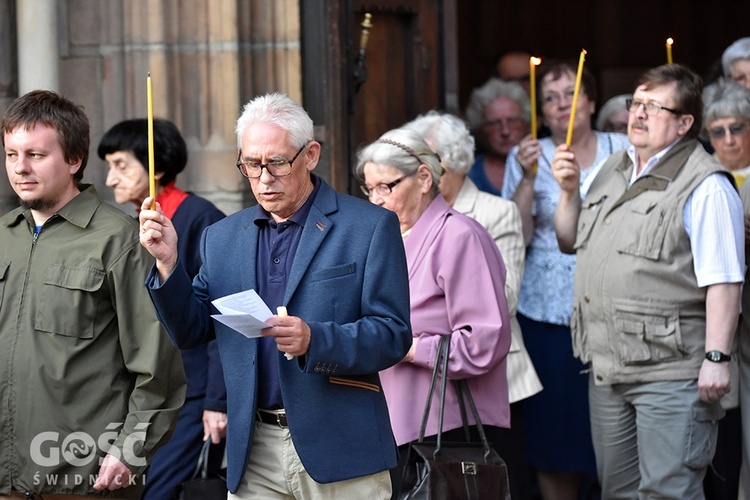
(660, 249)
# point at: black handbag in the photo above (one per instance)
(453, 471)
(204, 485)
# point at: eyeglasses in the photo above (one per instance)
(734, 129)
(554, 97)
(383, 189)
(278, 167)
(513, 122)
(652, 108)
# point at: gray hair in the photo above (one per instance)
(494, 88)
(402, 149)
(450, 138)
(725, 99)
(280, 110)
(612, 106)
(739, 49)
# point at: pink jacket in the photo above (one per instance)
(457, 288)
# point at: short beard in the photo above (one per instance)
(39, 204)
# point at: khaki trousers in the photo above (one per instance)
(275, 471)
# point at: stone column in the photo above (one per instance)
(38, 60)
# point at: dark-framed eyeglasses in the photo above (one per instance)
(734, 129)
(278, 167)
(383, 188)
(652, 108)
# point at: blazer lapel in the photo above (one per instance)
(419, 241)
(317, 227)
(248, 252)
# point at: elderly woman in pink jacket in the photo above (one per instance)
(457, 288)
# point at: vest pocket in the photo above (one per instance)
(645, 334)
(587, 218)
(580, 347)
(646, 229)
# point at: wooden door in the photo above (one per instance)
(410, 66)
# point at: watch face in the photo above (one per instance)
(717, 356)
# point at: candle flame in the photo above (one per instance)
(670, 41)
(536, 61)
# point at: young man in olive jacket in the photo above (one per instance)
(89, 385)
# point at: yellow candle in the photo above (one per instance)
(569, 138)
(669, 50)
(151, 174)
(533, 63)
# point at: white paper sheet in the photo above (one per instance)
(244, 312)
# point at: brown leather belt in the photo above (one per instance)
(271, 417)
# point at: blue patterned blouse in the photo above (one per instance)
(547, 287)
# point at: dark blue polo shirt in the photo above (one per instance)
(277, 245)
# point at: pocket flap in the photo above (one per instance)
(334, 272)
(643, 207)
(74, 278)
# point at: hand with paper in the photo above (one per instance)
(246, 313)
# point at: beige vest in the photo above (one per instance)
(639, 315)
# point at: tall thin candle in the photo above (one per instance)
(669, 50)
(151, 174)
(533, 63)
(576, 90)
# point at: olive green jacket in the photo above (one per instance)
(85, 368)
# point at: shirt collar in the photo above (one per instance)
(650, 163)
(78, 211)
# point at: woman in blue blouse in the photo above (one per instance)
(557, 419)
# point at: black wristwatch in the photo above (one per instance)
(717, 356)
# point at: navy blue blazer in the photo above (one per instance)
(349, 283)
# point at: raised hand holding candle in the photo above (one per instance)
(533, 63)
(576, 90)
(151, 173)
(669, 50)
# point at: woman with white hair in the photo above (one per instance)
(614, 115)
(498, 114)
(736, 61)
(726, 116)
(456, 288)
(450, 138)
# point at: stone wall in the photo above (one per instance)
(206, 59)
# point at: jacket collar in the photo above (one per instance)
(79, 211)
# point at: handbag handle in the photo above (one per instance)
(462, 391)
(462, 388)
(201, 468)
(444, 345)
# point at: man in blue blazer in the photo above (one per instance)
(315, 426)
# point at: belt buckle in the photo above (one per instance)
(278, 420)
